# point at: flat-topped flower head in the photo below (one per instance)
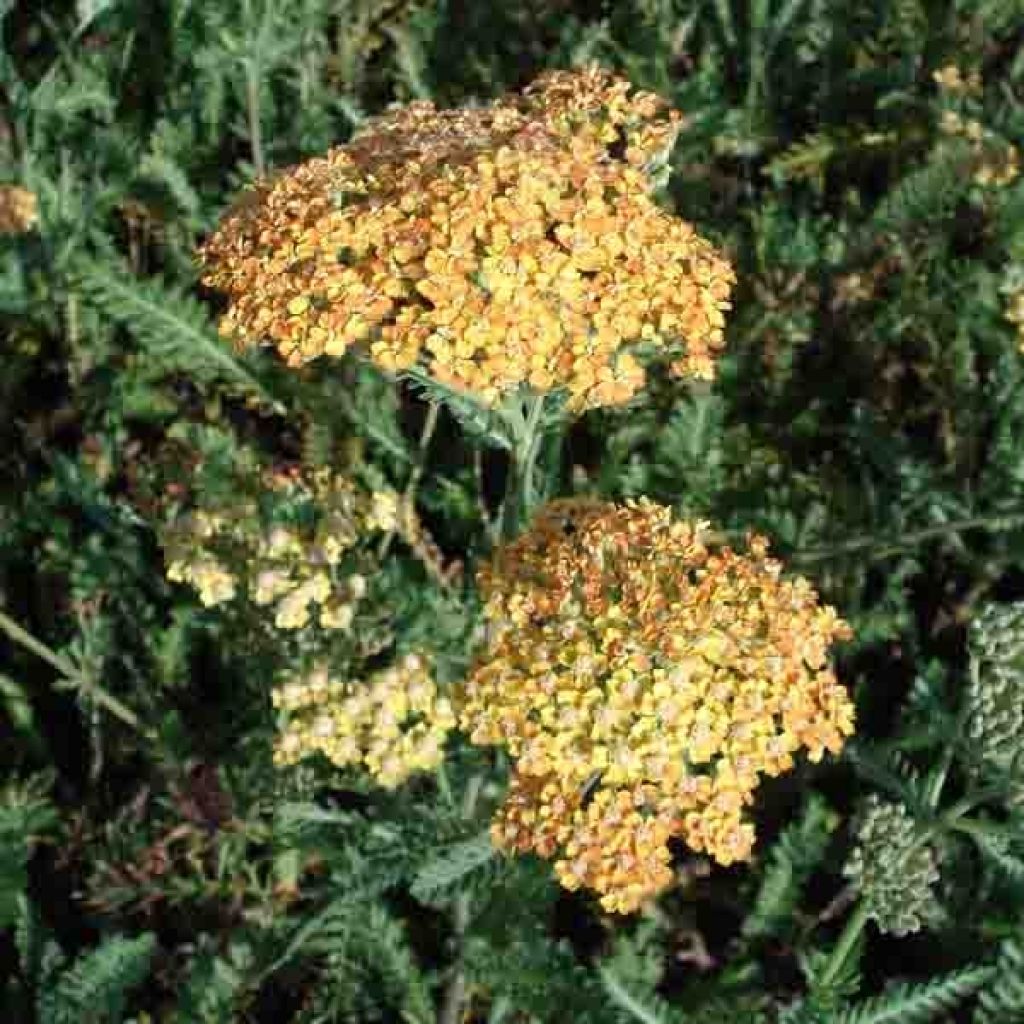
(499, 247)
(643, 683)
(393, 724)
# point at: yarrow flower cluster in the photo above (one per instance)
(892, 870)
(394, 724)
(994, 162)
(295, 569)
(516, 244)
(951, 79)
(19, 210)
(642, 684)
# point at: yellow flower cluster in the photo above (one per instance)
(294, 570)
(508, 245)
(394, 724)
(951, 79)
(995, 163)
(1015, 314)
(19, 210)
(642, 684)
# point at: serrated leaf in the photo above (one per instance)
(436, 880)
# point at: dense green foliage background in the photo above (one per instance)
(868, 417)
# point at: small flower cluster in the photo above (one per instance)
(295, 568)
(995, 722)
(394, 724)
(892, 870)
(19, 210)
(952, 80)
(516, 244)
(994, 162)
(1015, 314)
(642, 684)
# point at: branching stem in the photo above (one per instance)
(521, 491)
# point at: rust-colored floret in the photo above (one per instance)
(501, 246)
(643, 682)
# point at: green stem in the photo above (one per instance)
(875, 550)
(252, 97)
(418, 467)
(847, 940)
(70, 673)
(520, 489)
(455, 991)
(984, 829)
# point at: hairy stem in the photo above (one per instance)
(72, 675)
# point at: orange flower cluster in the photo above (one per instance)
(642, 684)
(394, 724)
(19, 210)
(501, 246)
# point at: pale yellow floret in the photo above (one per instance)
(393, 724)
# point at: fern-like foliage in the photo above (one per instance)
(920, 1003)
(798, 851)
(170, 324)
(446, 872)
(647, 1009)
(23, 817)
(478, 421)
(925, 196)
(95, 989)
(368, 967)
(1002, 999)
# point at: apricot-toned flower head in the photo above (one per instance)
(394, 724)
(642, 683)
(494, 247)
(19, 210)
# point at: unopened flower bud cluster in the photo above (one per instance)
(502, 246)
(642, 684)
(892, 870)
(995, 723)
(393, 724)
(296, 570)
